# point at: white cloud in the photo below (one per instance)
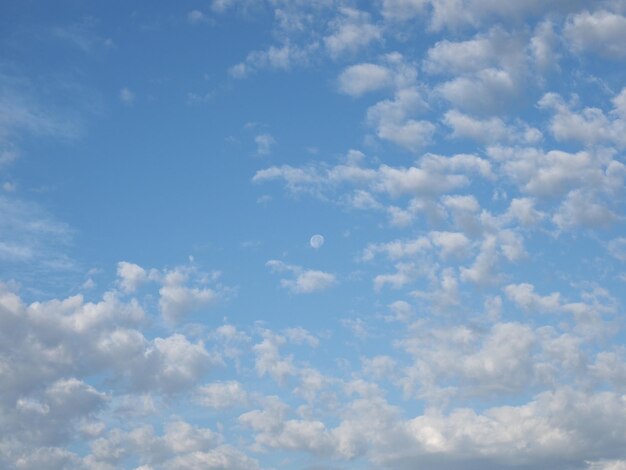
(487, 91)
(461, 57)
(359, 79)
(397, 249)
(402, 10)
(523, 210)
(555, 173)
(581, 208)
(454, 14)
(607, 465)
(392, 121)
(483, 271)
(490, 130)
(431, 176)
(306, 281)
(600, 32)
(617, 248)
(127, 97)
(177, 300)
(525, 297)
(264, 144)
(589, 126)
(196, 17)
(220, 395)
(268, 360)
(451, 243)
(131, 276)
(544, 45)
(350, 32)
(181, 445)
(282, 57)
(405, 274)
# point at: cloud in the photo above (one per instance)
(391, 120)
(305, 281)
(198, 17)
(222, 394)
(591, 126)
(264, 144)
(397, 249)
(127, 97)
(555, 173)
(617, 248)
(176, 299)
(600, 32)
(131, 276)
(360, 187)
(350, 32)
(455, 14)
(282, 57)
(359, 79)
(402, 10)
(487, 91)
(491, 130)
(451, 243)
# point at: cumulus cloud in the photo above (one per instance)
(264, 144)
(359, 79)
(64, 343)
(176, 297)
(306, 281)
(127, 97)
(392, 120)
(351, 31)
(433, 174)
(491, 130)
(590, 126)
(222, 394)
(600, 32)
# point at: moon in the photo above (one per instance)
(316, 241)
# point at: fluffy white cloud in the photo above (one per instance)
(589, 126)
(397, 249)
(491, 130)
(127, 97)
(350, 32)
(131, 276)
(523, 210)
(359, 79)
(555, 173)
(392, 121)
(402, 10)
(433, 174)
(306, 280)
(524, 296)
(264, 144)
(64, 343)
(617, 248)
(600, 32)
(222, 394)
(454, 14)
(487, 91)
(451, 243)
(282, 57)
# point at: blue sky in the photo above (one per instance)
(319, 234)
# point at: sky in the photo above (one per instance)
(313, 234)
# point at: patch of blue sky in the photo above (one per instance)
(164, 167)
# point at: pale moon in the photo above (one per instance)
(316, 241)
